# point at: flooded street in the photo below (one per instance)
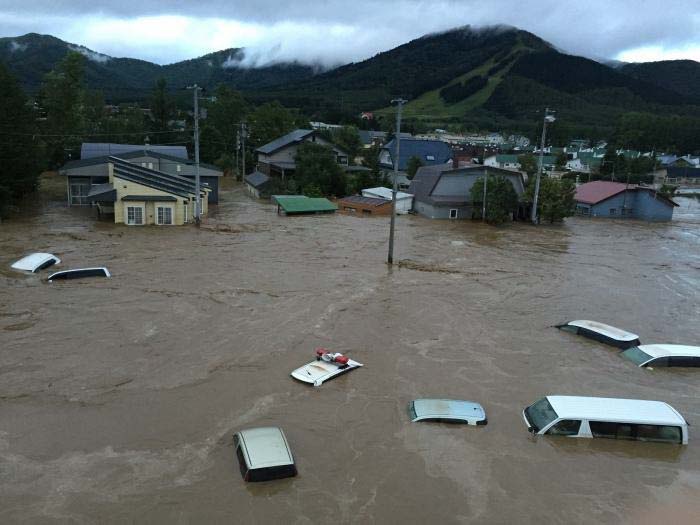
(119, 397)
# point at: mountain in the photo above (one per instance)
(489, 78)
(681, 76)
(31, 56)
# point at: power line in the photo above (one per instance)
(91, 134)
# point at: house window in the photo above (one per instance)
(150, 165)
(613, 211)
(164, 215)
(134, 215)
(178, 168)
(453, 214)
(78, 194)
(430, 157)
(187, 219)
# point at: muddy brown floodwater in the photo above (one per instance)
(119, 397)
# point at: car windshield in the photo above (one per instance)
(635, 355)
(540, 414)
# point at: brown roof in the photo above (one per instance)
(369, 201)
(599, 190)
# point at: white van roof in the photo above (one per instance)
(605, 329)
(670, 350)
(614, 409)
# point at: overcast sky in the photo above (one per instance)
(331, 32)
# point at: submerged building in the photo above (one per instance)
(603, 198)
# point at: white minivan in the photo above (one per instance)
(632, 419)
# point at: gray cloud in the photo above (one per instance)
(333, 31)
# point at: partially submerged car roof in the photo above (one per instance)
(615, 409)
(265, 447)
(36, 261)
(452, 409)
(663, 350)
(601, 332)
(78, 273)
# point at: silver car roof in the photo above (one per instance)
(447, 408)
(265, 447)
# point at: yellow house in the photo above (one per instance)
(138, 196)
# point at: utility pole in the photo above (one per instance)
(238, 147)
(483, 205)
(198, 205)
(400, 102)
(548, 117)
(243, 133)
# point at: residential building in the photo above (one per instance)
(278, 158)
(138, 196)
(404, 201)
(360, 205)
(91, 169)
(257, 184)
(430, 153)
(616, 200)
(683, 176)
(444, 193)
(511, 162)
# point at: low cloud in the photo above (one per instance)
(16, 46)
(331, 32)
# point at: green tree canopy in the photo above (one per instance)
(528, 164)
(268, 122)
(412, 166)
(501, 199)
(347, 138)
(162, 105)
(19, 166)
(555, 200)
(63, 96)
(317, 169)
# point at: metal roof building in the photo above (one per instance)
(300, 204)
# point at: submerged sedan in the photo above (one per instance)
(447, 411)
(664, 355)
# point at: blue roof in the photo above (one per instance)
(90, 150)
(257, 179)
(430, 152)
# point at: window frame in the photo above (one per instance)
(159, 222)
(142, 212)
(456, 213)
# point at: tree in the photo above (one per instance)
(18, 164)
(412, 166)
(370, 159)
(317, 169)
(224, 117)
(555, 200)
(161, 105)
(347, 138)
(63, 96)
(268, 122)
(501, 199)
(528, 164)
(561, 161)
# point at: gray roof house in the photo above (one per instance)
(257, 184)
(84, 173)
(430, 152)
(441, 192)
(277, 158)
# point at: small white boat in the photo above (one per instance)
(79, 273)
(328, 365)
(36, 261)
(601, 332)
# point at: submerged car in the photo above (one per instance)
(601, 417)
(664, 355)
(263, 454)
(328, 365)
(447, 411)
(79, 273)
(35, 262)
(601, 332)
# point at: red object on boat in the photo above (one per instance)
(341, 359)
(321, 351)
